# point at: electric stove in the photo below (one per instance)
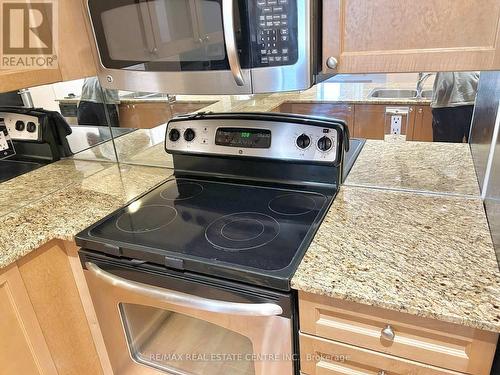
(216, 245)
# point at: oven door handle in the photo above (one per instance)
(230, 41)
(184, 299)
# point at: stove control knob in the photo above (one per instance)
(189, 134)
(324, 144)
(303, 141)
(174, 135)
(31, 127)
(19, 125)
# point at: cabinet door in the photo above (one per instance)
(422, 130)
(343, 111)
(23, 349)
(369, 120)
(411, 36)
(144, 115)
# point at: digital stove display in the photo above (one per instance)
(247, 138)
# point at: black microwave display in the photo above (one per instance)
(240, 137)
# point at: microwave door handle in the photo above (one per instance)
(184, 299)
(230, 40)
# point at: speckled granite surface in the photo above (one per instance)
(422, 166)
(423, 254)
(64, 212)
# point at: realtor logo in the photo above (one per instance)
(29, 34)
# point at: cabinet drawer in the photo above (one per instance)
(324, 357)
(420, 339)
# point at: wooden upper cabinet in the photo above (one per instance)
(411, 36)
(74, 52)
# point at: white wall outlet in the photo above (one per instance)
(396, 121)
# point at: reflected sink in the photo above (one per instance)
(398, 94)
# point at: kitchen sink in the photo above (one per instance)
(398, 94)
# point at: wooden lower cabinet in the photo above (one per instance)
(368, 121)
(48, 324)
(422, 128)
(144, 115)
(23, 349)
(365, 329)
(326, 357)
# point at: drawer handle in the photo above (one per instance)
(388, 333)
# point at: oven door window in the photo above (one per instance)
(179, 344)
(163, 35)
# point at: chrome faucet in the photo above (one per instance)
(422, 77)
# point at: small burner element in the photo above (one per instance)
(181, 190)
(242, 231)
(145, 219)
(292, 204)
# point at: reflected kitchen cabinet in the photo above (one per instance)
(342, 111)
(370, 121)
(422, 128)
(410, 36)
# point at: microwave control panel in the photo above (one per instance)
(276, 33)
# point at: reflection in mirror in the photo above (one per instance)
(406, 119)
(48, 148)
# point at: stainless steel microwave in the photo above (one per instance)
(206, 46)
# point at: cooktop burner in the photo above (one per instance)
(145, 219)
(181, 190)
(242, 231)
(216, 228)
(292, 204)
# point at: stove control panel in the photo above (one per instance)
(22, 127)
(253, 138)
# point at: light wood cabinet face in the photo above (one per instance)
(436, 343)
(22, 346)
(411, 36)
(325, 357)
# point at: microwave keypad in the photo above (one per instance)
(274, 32)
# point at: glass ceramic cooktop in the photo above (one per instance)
(240, 225)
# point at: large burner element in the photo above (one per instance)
(292, 204)
(181, 190)
(242, 231)
(145, 219)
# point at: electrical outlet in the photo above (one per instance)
(396, 121)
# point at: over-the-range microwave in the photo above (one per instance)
(206, 46)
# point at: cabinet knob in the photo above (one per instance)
(420, 110)
(381, 372)
(349, 109)
(332, 62)
(388, 333)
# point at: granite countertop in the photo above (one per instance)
(91, 191)
(434, 167)
(424, 254)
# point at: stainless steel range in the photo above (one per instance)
(194, 276)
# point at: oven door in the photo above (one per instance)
(158, 323)
(175, 46)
